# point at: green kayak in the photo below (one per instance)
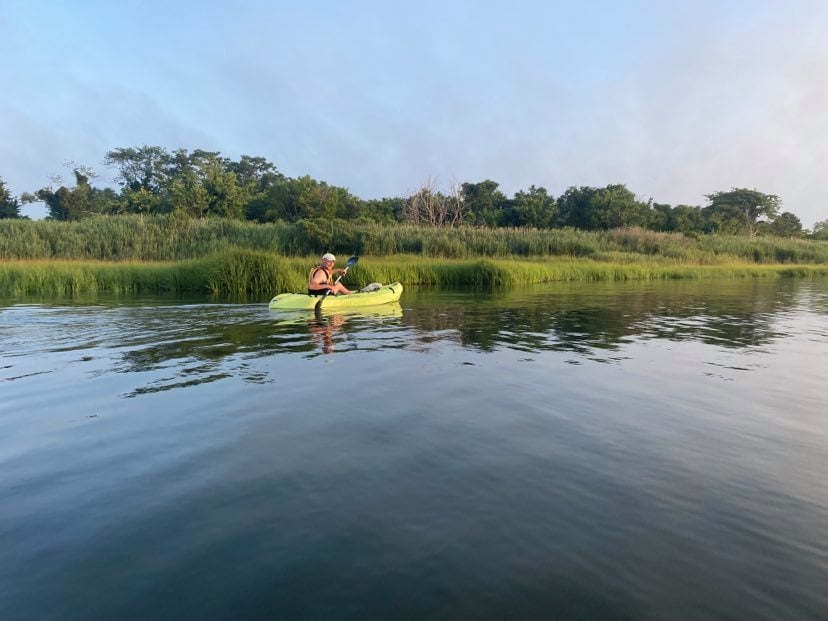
(299, 301)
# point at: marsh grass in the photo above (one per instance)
(244, 260)
(174, 238)
(255, 275)
(75, 277)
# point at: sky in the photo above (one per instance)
(674, 99)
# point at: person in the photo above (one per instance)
(321, 278)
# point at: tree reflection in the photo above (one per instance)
(586, 318)
(208, 342)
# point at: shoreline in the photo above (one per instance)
(244, 274)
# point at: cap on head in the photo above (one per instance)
(328, 257)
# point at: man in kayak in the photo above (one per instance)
(321, 277)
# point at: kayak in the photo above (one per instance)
(287, 317)
(300, 301)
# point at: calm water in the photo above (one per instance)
(646, 451)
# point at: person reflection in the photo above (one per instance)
(323, 330)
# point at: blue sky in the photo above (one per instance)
(674, 99)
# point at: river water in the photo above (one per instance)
(590, 451)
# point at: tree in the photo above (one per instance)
(786, 225)
(146, 167)
(255, 172)
(226, 197)
(483, 203)
(387, 210)
(278, 202)
(9, 205)
(304, 198)
(678, 219)
(615, 206)
(430, 206)
(316, 199)
(575, 207)
(686, 219)
(200, 184)
(532, 208)
(81, 201)
(820, 230)
(602, 208)
(740, 208)
(660, 217)
(255, 176)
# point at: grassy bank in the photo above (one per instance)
(172, 238)
(247, 274)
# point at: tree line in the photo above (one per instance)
(200, 183)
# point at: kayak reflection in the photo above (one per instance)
(326, 328)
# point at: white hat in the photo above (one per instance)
(328, 257)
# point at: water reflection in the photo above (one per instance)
(500, 489)
(589, 320)
(184, 345)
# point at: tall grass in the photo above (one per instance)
(256, 275)
(74, 277)
(172, 238)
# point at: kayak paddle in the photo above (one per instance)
(348, 265)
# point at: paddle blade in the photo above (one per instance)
(318, 306)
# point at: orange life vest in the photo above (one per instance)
(315, 285)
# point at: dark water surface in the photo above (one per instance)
(641, 451)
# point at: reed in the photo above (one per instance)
(61, 278)
(257, 275)
(175, 238)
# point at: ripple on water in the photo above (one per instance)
(572, 451)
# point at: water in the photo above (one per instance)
(640, 451)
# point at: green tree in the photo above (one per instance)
(81, 201)
(575, 207)
(255, 176)
(385, 210)
(686, 219)
(9, 205)
(144, 176)
(678, 219)
(532, 208)
(483, 203)
(786, 225)
(188, 195)
(200, 184)
(226, 197)
(303, 198)
(820, 230)
(255, 172)
(146, 167)
(740, 209)
(602, 208)
(277, 202)
(660, 217)
(615, 206)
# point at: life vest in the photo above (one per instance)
(315, 285)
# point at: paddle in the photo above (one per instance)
(348, 265)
